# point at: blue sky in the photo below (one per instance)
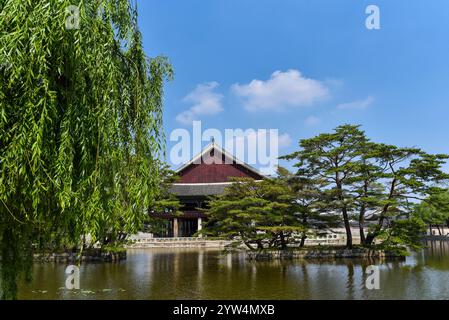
(305, 67)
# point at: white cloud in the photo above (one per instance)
(334, 83)
(205, 102)
(312, 121)
(357, 105)
(284, 140)
(282, 90)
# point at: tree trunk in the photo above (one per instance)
(362, 214)
(344, 211)
(369, 239)
(249, 246)
(348, 228)
(303, 240)
(361, 224)
(371, 236)
(362, 234)
(247, 243)
(283, 243)
(304, 236)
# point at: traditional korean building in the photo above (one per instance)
(207, 174)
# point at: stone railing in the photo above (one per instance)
(335, 242)
(179, 239)
(187, 242)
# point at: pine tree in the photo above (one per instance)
(262, 214)
(352, 175)
(434, 211)
(330, 161)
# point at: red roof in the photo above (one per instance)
(214, 165)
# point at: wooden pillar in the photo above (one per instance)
(200, 225)
(175, 228)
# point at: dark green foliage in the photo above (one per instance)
(262, 214)
(330, 162)
(402, 234)
(341, 176)
(308, 203)
(434, 211)
(352, 175)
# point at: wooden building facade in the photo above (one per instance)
(207, 174)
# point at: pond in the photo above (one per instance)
(209, 274)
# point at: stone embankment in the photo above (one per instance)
(321, 254)
(94, 256)
(436, 238)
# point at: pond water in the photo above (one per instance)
(209, 274)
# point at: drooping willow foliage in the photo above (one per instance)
(80, 127)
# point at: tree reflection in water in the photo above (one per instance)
(210, 274)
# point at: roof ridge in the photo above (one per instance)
(213, 145)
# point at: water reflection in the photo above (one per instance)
(210, 274)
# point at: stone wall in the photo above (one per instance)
(321, 254)
(95, 256)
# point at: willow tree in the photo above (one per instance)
(80, 126)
